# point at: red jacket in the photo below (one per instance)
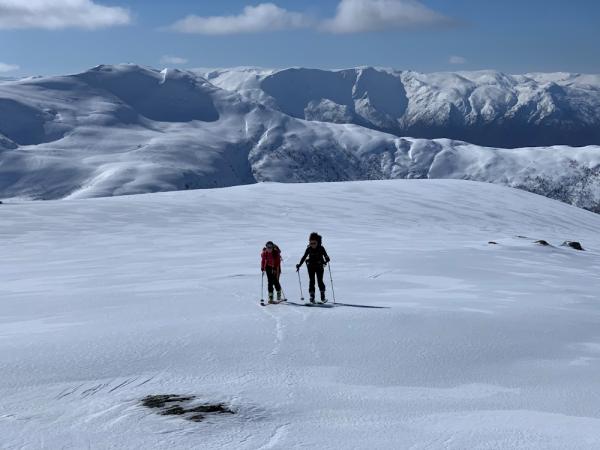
(271, 259)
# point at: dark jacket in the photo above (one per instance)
(315, 256)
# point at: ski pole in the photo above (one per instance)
(331, 279)
(300, 282)
(284, 299)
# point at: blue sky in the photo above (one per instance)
(60, 36)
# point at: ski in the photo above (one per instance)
(318, 305)
(263, 303)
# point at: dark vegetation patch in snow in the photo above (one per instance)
(159, 401)
(179, 405)
(576, 189)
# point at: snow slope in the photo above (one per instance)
(126, 129)
(439, 340)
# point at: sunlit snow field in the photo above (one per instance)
(438, 339)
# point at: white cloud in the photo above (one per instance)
(8, 67)
(357, 16)
(254, 19)
(58, 14)
(174, 60)
(457, 60)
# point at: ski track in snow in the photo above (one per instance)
(276, 437)
(279, 331)
(438, 339)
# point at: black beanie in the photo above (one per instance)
(315, 237)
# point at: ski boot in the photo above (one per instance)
(271, 301)
(312, 297)
(279, 297)
(323, 299)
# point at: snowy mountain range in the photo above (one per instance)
(127, 129)
(485, 107)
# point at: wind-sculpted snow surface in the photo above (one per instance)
(486, 107)
(438, 340)
(118, 130)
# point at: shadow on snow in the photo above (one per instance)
(334, 305)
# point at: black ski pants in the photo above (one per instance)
(272, 279)
(315, 270)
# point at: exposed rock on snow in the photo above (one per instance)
(574, 245)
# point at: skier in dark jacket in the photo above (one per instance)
(316, 259)
(271, 265)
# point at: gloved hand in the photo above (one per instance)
(297, 267)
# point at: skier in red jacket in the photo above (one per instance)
(271, 265)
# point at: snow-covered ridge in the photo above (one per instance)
(126, 129)
(483, 107)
